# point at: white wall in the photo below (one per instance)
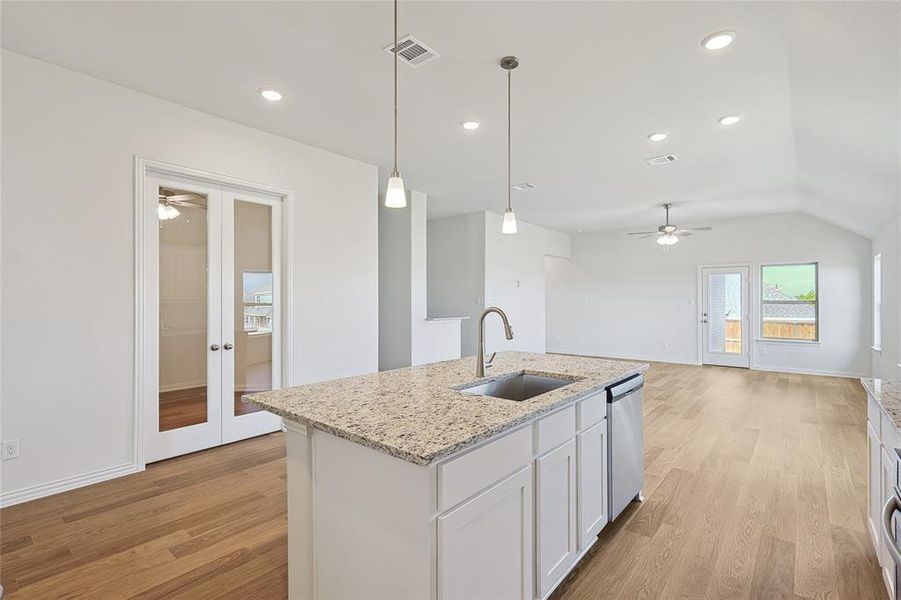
(473, 265)
(885, 362)
(68, 147)
(456, 272)
(515, 281)
(625, 297)
(395, 326)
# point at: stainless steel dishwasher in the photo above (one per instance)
(625, 435)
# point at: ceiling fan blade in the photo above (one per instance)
(696, 228)
(641, 233)
(682, 233)
(185, 198)
(187, 204)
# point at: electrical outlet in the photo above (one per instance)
(10, 449)
(762, 351)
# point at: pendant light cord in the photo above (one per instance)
(395, 88)
(509, 145)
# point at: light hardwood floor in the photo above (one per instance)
(755, 488)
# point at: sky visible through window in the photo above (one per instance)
(798, 281)
(256, 281)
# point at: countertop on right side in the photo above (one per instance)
(887, 394)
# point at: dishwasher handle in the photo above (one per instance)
(888, 511)
(624, 388)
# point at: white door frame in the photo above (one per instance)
(143, 166)
(751, 319)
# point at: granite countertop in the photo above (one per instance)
(887, 395)
(417, 415)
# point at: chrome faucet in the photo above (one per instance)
(480, 356)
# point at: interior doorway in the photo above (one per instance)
(725, 316)
(212, 313)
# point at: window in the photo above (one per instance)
(257, 286)
(877, 302)
(788, 299)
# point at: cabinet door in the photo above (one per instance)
(591, 454)
(888, 488)
(874, 489)
(555, 514)
(485, 545)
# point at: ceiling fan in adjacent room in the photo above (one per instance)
(168, 201)
(669, 234)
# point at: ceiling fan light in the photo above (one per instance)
(667, 240)
(166, 211)
(509, 225)
(395, 195)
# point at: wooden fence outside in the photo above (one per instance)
(791, 330)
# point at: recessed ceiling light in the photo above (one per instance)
(658, 136)
(730, 120)
(470, 125)
(718, 40)
(270, 94)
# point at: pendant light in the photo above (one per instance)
(508, 63)
(395, 195)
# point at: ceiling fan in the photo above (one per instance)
(668, 234)
(166, 210)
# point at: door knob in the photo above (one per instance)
(228, 346)
(214, 347)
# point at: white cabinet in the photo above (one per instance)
(591, 454)
(485, 544)
(556, 544)
(874, 489)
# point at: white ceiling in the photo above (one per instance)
(817, 83)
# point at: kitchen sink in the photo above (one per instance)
(517, 386)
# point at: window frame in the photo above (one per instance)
(816, 303)
(255, 333)
(877, 302)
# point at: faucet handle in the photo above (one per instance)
(490, 359)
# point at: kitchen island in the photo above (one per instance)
(403, 484)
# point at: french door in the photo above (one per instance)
(212, 314)
(725, 316)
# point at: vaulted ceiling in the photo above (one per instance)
(817, 84)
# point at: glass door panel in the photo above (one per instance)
(181, 364)
(725, 315)
(252, 321)
(253, 302)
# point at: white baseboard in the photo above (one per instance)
(659, 359)
(184, 385)
(65, 484)
(847, 374)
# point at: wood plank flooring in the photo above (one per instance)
(182, 408)
(755, 488)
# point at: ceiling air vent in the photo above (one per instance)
(661, 160)
(412, 51)
(524, 186)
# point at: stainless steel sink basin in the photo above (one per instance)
(517, 386)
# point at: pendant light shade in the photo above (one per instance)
(395, 195)
(508, 63)
(509, 225)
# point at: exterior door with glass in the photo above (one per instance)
(211, 314)
(725, 316)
